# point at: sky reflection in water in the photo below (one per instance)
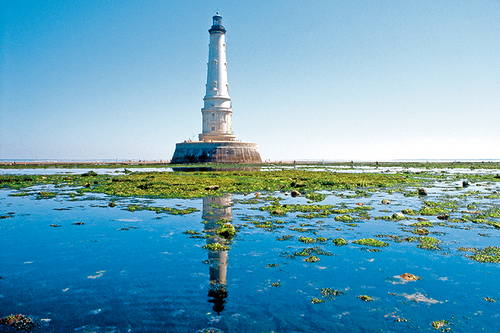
(125, 271)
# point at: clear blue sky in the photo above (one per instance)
(334, 80)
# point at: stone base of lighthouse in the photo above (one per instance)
(216, 152)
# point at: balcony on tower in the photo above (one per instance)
(217, 25)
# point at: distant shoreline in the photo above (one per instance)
(83, 162)
(166, 163)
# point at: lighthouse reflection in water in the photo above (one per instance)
(215, 211)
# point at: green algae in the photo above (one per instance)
(20, 194)
(299, 229)
(307, 240)
(191, 232)
(266, 225)
(330, 293)
(159, 210)
(466, 249)
(421, 231)
(410, 212)
(371, 242)
(494, 224)
(439, 324)
(317, 300)
(46, 195)
(310, 250)
(312, 259)
(365, 298)
(343, 211)
(428, 243)
(339, 241)
(422, 224)
(490, 254)
(216, 247)
(363, 208)
(194, 184)
(398, 217)
(315, 196)
(344, 218)
(226, 231)
(430, 211)
(431, 208)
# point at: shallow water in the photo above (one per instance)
(78, 171)
(312, 167)
(151, 277)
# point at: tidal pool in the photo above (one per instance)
(73, 263)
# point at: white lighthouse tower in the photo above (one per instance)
(217, 111)
(217, 143)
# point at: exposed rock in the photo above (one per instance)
(365, 298)
(295, 193)
(439, 324)
(386, 202)
(465, 183)
(19, 322)
(422, 191)
(443, 217)
(212, 188)
(421, 231)
(398, 216)
(421, 219)
(409, 277)
(89, 174)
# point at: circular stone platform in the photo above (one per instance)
(216, 152)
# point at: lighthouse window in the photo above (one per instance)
(213, 115)
(213, 128)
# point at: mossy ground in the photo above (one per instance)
(216, 247)
(371, 242)
(194, 184)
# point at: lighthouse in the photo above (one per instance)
(217, 142)
(217, 111)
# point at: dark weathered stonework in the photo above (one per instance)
(216, 152)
